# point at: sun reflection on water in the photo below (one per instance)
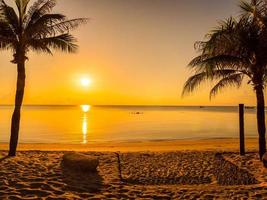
(85, 109)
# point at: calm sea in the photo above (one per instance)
(85, 124)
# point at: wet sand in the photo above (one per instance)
(171, 145)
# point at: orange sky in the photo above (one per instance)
(135, 51)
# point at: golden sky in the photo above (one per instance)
(135, 52)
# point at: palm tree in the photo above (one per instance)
(234, 51)
(35, 28)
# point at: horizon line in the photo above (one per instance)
(126, 105)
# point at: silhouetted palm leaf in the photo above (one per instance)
(235, 49)
(196, 80)
(37, 29)
(233, 80)
(64, 42)
(36, 26)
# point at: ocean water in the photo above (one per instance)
(86, 124)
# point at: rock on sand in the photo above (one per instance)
(80, 162)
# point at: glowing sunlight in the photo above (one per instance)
(85, 108)
(85, 81)
(128, 99)
(84, 128)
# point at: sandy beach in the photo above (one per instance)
(131, 113)
(163, 173)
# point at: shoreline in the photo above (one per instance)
(251, 144)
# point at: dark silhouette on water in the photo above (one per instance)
(250, 107)
(34, 29)
(137, 113)
(237, 48)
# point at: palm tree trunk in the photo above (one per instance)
(15, 124)
(261, 120)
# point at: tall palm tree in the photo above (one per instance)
(234, 51)
(35, 28)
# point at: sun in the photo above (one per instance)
(85, 82)
(85, 108)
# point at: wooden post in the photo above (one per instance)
(241, 129)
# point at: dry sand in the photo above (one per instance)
(157, 174)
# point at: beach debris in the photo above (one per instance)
(137, 113)
(264, 160)
(80, 162)
(250, 107)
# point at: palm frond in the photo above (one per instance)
(197, 79)
(42, 26)
(221, 40)
(247, 7)
(7, 43)
(224, 26)
(9, 15)
(22, 6)
(64, 42)
(37, 10)
(255, 10)
(193, 83)
(6, 31)
(207, 64)
(40, 30)
(46, 7)
(36, 28)
(68, 25)
(39, 47)
(235, 45)
(228, 81)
